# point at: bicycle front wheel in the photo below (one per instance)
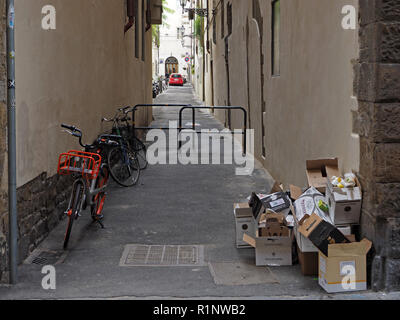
(73, 211)
(124, 166)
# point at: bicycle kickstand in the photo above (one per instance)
(101, 224)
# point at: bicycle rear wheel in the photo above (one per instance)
(124, 166)
(141, 152)
(73, 211)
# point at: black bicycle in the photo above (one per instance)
(122, 127)
(123, 160)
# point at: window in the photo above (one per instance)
(137, 37)
(229, 18)
(214, 29)
(276, 21)
(222, 19)
(143, 33)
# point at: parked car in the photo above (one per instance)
(176, 79)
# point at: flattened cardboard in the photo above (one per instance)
(295, 192)
(256, 205)
(318, 170)
(321, 233)
(249, 239)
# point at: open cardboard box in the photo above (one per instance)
(319, 170)
(344, 203)
(272, 241)
(247, 216)
(304, 244)
(244, 221)
(320, 232)
(344, 267)
(271, 251)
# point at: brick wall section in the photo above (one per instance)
(41, 205)
(377, 121)
(3, 154)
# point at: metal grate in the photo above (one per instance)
(46, 257)
(162, 255)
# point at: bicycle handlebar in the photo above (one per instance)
(72, 130)
(66, 126)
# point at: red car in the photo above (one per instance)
(176, 79)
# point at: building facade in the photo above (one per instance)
(76, 73)
(175, 42)
(317, 82)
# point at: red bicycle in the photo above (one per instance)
(91, 173)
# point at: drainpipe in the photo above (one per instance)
(12, 172)
(130, 14)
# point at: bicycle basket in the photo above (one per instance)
(85, 163)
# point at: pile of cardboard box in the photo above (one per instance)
(323, 219)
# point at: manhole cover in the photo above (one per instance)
(162, 255)
(46, 257)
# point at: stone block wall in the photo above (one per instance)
(377, 86)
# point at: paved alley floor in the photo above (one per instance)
(172, 205)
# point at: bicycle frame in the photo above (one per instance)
(89, 193)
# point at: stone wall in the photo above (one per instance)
(41, 205)
(377, 121)
(3, 139)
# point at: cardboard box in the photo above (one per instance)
(344, 203)
(320, 232)
(277, 202)
(319, 170)
(307, 201)
(343, 269)
(256, 205)
(244, 222)
(308, 262)
(271, 251)
(242, 210)
(305, 245)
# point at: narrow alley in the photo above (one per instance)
(200, 149)
(173, 205)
